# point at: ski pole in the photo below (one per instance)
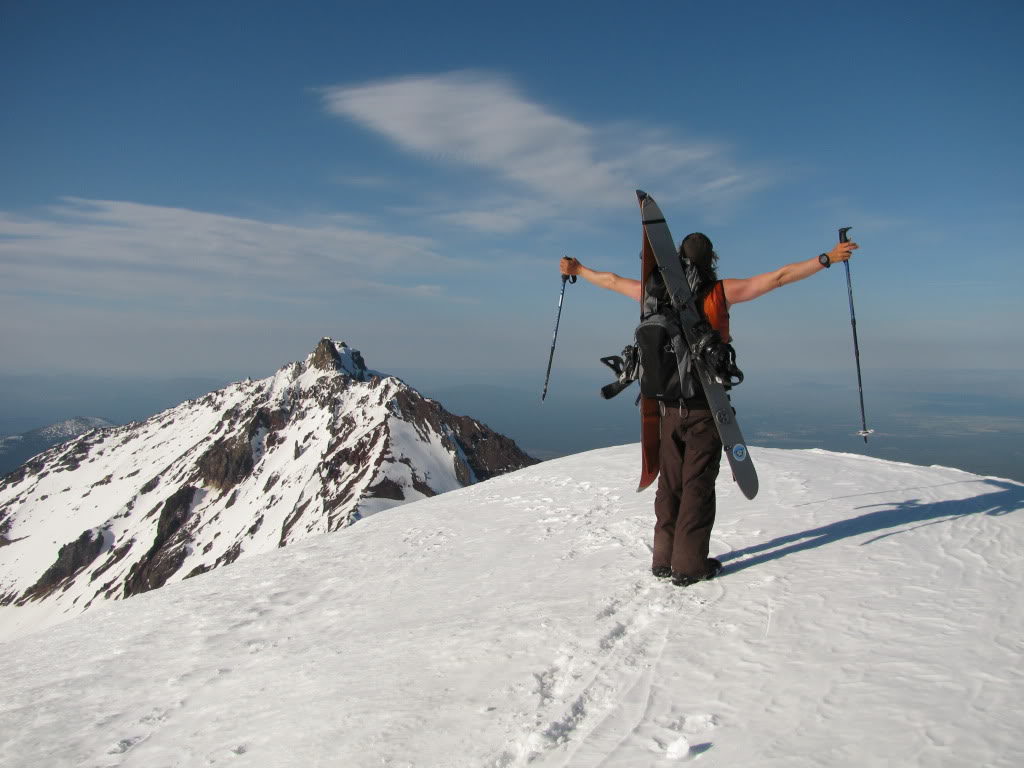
(554, 338)
(864, 431)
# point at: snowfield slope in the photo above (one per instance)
(240, 471)
(870, 614)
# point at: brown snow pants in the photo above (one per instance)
(689, 457)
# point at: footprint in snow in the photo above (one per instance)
(124, 745)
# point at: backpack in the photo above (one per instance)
(659, 353)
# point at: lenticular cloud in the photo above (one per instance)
(481, 121)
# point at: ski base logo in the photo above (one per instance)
(739, 452)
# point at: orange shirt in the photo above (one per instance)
(717, 310)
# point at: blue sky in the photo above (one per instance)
(209, 188)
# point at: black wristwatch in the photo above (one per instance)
(825, 261)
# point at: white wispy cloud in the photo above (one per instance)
(480, 121)
(483, 121)
(99, 247)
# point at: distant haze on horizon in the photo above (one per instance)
(972, 420)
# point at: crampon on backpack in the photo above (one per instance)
(652, 359)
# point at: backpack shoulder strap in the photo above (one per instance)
(655, 296)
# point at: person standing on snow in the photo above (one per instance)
(691, 451)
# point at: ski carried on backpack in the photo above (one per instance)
(629, 367)
(650, 408)
(704, 348)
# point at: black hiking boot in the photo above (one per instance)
(661, 571)
(714, 567)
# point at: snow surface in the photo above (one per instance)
(870, 614)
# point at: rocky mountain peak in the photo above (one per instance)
(330, 355)
(252, 467)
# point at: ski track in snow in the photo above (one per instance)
(869, 614)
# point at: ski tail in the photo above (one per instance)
(650, 441)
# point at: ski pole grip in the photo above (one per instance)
(569, 278)
(842, 234)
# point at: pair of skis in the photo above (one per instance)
(659, 252)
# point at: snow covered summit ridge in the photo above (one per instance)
(251, 467)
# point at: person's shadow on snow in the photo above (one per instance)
(913, 513)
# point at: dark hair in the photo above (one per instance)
(697, 249)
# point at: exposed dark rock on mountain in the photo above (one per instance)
(71, 558)
(167, 553)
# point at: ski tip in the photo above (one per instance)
(641, 195)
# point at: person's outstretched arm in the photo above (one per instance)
(751, 288)
(609, 280)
